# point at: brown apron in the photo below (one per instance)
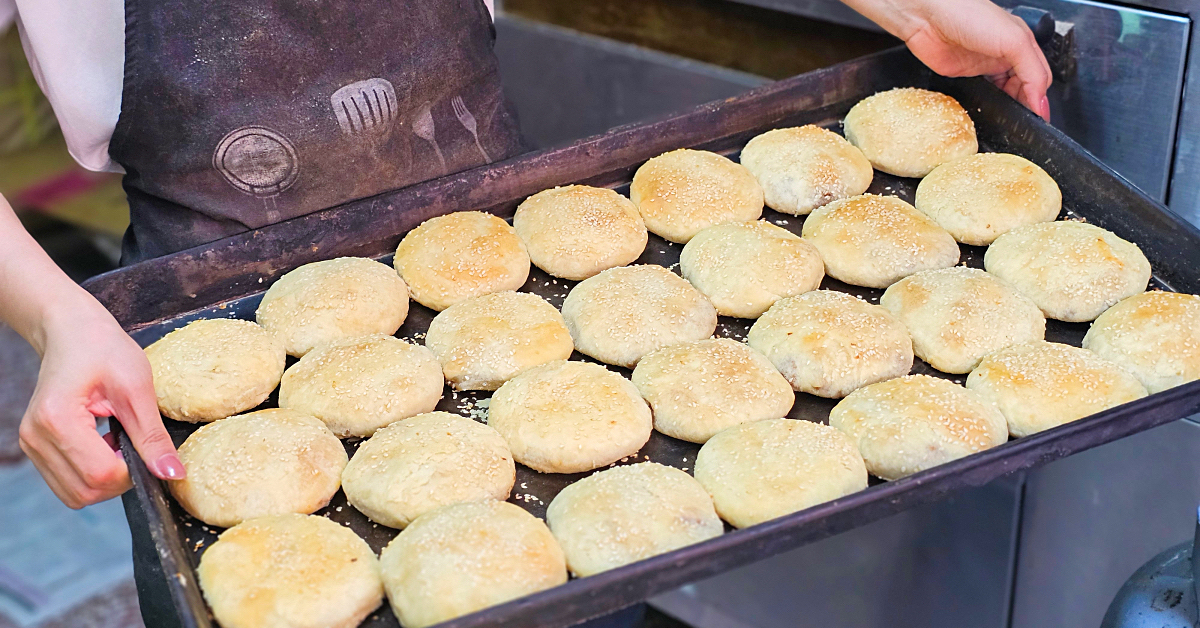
(238, 114)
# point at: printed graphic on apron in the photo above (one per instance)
(423, 128)
(368, 106)
(259, 162)
(468, 121)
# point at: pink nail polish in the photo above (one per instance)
(1045, 106)
(170, 467)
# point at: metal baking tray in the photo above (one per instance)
(226, 279)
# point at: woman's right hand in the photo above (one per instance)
(92, 368)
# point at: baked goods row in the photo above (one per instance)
(436, 475)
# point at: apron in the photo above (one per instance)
(237, 114)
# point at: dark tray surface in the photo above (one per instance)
(534, 491)
(148, 299)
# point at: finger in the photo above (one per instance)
(50, 475)
(105, 477)
(1012, 87)
(66, 438)
(136, 408)
(1030, 68)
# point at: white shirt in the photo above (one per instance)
(76, 49)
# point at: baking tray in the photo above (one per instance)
(226, 279)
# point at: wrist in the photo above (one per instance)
(71, 310)
(900, 18)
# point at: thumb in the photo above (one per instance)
(136, 407)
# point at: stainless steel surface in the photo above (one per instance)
(566, 85)
(1090, 521)
(946, 564)
(1123, 102)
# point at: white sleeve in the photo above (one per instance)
(8, 14)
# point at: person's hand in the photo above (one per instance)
(92, 368)
(969, 38)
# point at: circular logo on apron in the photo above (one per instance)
(257, 161)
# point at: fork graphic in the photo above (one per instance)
(468, 122)
(423, 127)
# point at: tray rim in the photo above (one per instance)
(584, 598)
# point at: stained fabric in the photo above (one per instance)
(240, 114)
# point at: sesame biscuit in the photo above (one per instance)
(828, 343)
(211, 369)
(570, 417)
(268, 462)
(745, 267)
(624, 313)
(1072, 270)
(487, 340)
(980, 197)
(1039, 385)
(683, 191)
(957, 315)
(1154, 335)
(576, 231)
(290, 571)
(359, 385)
(466, 557)
(802, 168)
(908, 131)
(917, 422)
(331, 300)
(629, 513)
(451, 258)
(874, 241)
(762, 470)
(424, 462)
(697, 389)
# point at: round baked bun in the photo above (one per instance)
(359, 385)
(802, 168)
(908, 131)
(957, 315)
(1039, 385)
(422, 463)
(211, 369)
(624, 313)
(268, 462)
(576, 231)
(762, 470)
(828, 343)
(570, 417)
(452, 258)
(466, 557)
(977, 198)
(683, 191)
(745, 267)
(1154, 335)
(290, 571)
(486, 340)
(628, 513)
(917, 422)
(334, 299)
(1072, 270)
(697, 389)
(874, 241)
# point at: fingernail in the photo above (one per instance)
(170, 467)
(1045, 104)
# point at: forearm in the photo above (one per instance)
(901, 18)
(35, 294)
